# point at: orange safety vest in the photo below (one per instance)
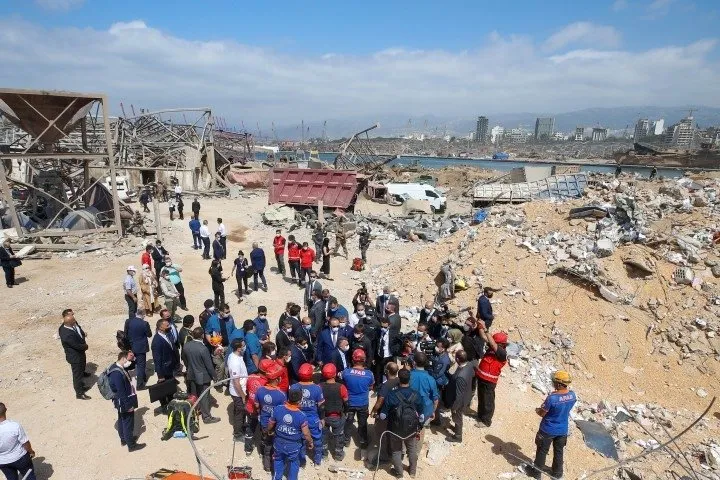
(489, 368)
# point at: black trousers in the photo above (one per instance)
(239, 414)
(219, 296)
(362, 416)
(379, 370)
(181, 291)
(126, 425)
(223, 242)
(486, 401)
(543, 442)
(9, 275)
(196, 389)
(251, 424)
(206, 247)
(132, 306)
(140, 363)
(19, 468)
(280, 259)
(241, 280)
(295, 269)
(78, 370)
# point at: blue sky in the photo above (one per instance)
(322, 59)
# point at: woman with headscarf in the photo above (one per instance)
(9, 263)
(148, 287)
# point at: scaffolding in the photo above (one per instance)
(357, 153)
(57, 138)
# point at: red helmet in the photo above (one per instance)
(274, 371)
(500, 337)
(192, 398)
(266, 364)
(329, 371)
(305, 372)
(358, 355)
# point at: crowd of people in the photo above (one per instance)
(302, 386)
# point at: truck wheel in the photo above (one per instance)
(309, 214)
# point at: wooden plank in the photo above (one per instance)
(61, 247)
(59, 232)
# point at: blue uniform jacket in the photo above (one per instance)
(425, 385)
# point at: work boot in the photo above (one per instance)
(211, 419)
(135, 447)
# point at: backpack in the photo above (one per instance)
(123, 342)
(103, 383)
(358, 265)
(179, 410)
(404, 420)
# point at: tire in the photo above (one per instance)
(309, 214)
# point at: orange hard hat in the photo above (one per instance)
(266, 364)
(274, 371)
(305, 372)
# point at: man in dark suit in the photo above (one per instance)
(200, 371)
(163, 350)
(298, 355)
(317, 313)
(72, 338)
(125, 401)
(285, 335)
(484, 307)
(340, 356)
(305, 331)
(137, 331)
(382, 301)
(389, 345)
(158, 256)
(328, 301)
(360, 340)
(312, 286)
(327, 341)
(392, 315)
(460, 393)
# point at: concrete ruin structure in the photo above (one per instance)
(54, 162)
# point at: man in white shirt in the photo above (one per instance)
(178, 192)
(16, 453)
(205, 237)
(238, 384)
(223, 236)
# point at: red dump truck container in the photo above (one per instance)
(306, 186)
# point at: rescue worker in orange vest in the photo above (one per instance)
(488, 373)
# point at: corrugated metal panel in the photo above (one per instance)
(305, 186)
(558, 186)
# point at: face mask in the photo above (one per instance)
(307, 327)
(437, 350)
(335, 329)
(262, 317)
(242, 350)
(466, 327)
(384, 330)
(273, 354)
(303, 347)
(288, 330)
(428, 310)
(343, 325)
(361, 314)
(445, 328)
(127, 364)
(345, 348)
(287, 359)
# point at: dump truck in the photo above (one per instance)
(305, 188)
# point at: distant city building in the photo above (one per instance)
(599, 134)
(560, 136)
(518, 135)
(544, 128)
(642, 129)
(658, 127)
(681, 134)
(481, 130)
(579, 134)
(496, 134)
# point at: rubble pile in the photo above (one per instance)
(418, 227)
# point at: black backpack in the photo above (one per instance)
(404, 420)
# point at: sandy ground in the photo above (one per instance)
(77, 439)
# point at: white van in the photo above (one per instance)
(123, 189)
(417, 191)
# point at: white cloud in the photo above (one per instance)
(659, 8)
(585, 34)
(62, 5)
(137, 64)
(619, 5)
